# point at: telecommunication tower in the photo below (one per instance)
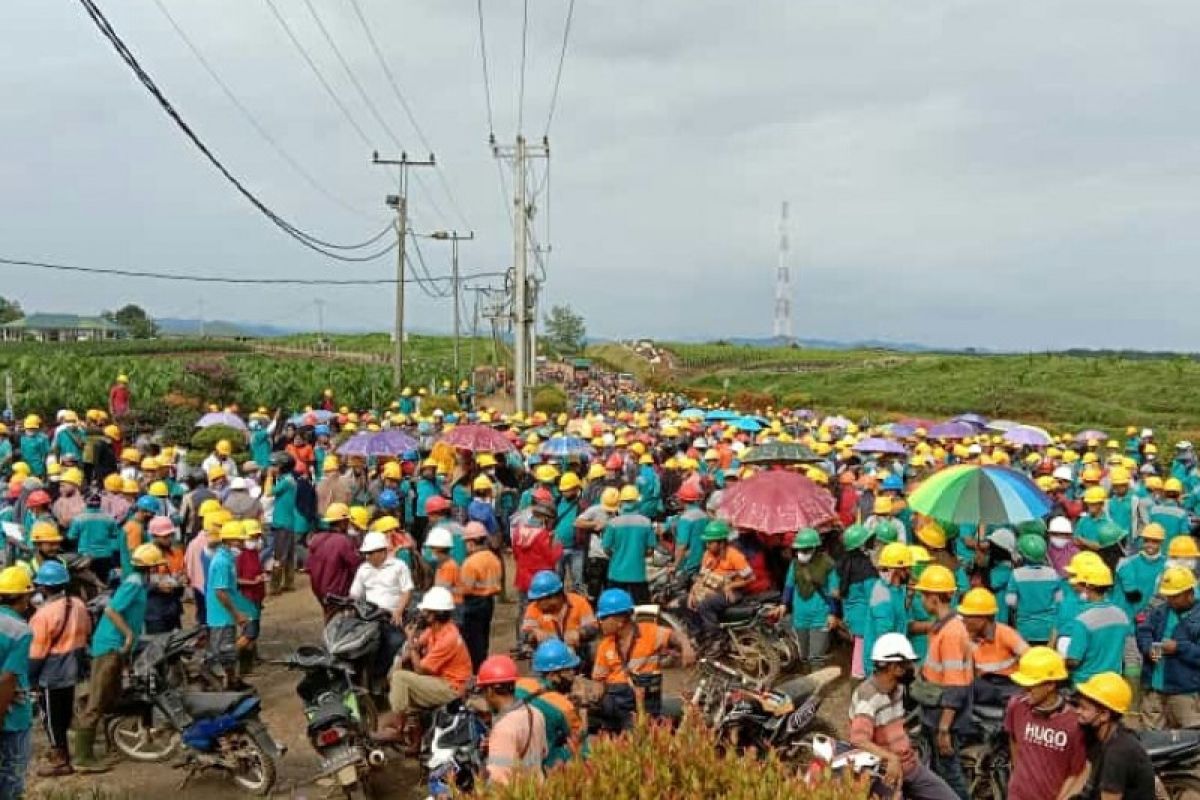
(783, 283)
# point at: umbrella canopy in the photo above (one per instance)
(720, 415)
(1027, 436)
(1091, 435)
(221, 418)
(380, 443)
(952, 430)
(692, 413)
(1002, 425)
(876, 444)
(395, 440)
(746, 424)
(780, 453)
(836, 422)
(777, 502)
(989, 495)
(478, 439)
(977, 420)
(565, 447)
(304, 417)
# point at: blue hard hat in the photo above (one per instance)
(544, 584)
(613, 602)
(892, 483)
(553, 655)
(52, 573)
(411, 455)
(389, 499)
(148, 503)
(452, 418)
(321, 430)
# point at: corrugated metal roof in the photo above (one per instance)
(63, 322)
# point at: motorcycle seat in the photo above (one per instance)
(1166, 745)
(798, 689)
(989, 713)
(739, 612)
(213, 704)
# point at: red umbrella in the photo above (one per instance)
(478, 439)
(777, 502)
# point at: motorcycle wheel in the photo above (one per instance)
(368, 713)
(1183, 788)
(753, 654)
(253, 770)
(788, 649)
(137, 742)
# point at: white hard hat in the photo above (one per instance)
(437, 599)
(974, 450)
(238, 484)
(739, 447)
(1060, 525)
(373, 541)
(1062, 474)
(1004, 538)
(1147, 433)
(439, 537)
(894, 647)
(701, 443)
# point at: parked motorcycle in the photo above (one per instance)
(1175, 755)
(832, 757)
(782, 719)
(337, 717)
(353, 636)
(983, 751)
(218, 731)
(452, 749)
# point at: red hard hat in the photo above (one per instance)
(543, 496)
(37, 498)
(436, 505)
(496, 670)
(614, 462)
(689, 493)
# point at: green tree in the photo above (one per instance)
(565, 331)
(10, 310)
(135, 320)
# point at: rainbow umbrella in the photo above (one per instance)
(989, 495)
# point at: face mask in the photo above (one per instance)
(253, 544)
(1059, 542)
(236, 550)
(804, 556)
(1154, 557)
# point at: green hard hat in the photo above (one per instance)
(1033, 527)
(856, 536)
(715, 531)
(1032, 548)
(806, 539)
(1109, 534)
(886, 532)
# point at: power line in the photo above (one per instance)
(253, 120)
(192, 278)
(521, 96)
(562, 55)
(487, 83)
(308, 240)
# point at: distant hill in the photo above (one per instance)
(171, 326)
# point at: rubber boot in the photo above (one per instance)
(58, 764)
(84, 740)
(233, 682)
(246, 661)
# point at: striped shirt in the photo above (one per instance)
(877, 717)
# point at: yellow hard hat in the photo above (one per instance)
(645, 458)
(45, 532)
(895, 555)
(54, 469)
(216, 473)
(429, 463)
(1183, 547)
(484, 460)
(337, 512)
(253, 528)
(130, 486)
(1173, 486)
(1039, 665)
(1095, 575)
(233, 529)
(932, 535)
(224, 447)
(330, 464)
(1109, 690)
(112, 431)
(1176, 580)
(978, 602)
(1081, 561)
(112, 482)
(391, 471)
(595, 471)
(158, 489)
(1095, 494)
(630, 494)
(148, 555)
(1154, 483)
(568, 482)
(637, 447)
(919, 554)
(32, 422)
(1090, 458)
(385, 524)
(73, 476)
(360, 516)
(545, 473)
(1091, 474)
(481, 484)
(1070, 457)
(122, 378)
(149, 464)
(209, 506)
(1154, 532)
(214, 521)
(131, 455)
(15, 581)
(1150, 449)
(532, 438)
(936, 579)
(1119, 476)
(883, 505)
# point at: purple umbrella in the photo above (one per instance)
(1027, 436)
(380, 443)
(972, 419)
(877, 444)
(1091, 435)
(952, 430)
(221, 418)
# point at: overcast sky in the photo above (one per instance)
(1016, 175)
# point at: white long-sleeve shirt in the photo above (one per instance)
(382, 585)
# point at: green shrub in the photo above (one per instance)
(205, 439)
(550, 400)
(653, 761)
(446, 402)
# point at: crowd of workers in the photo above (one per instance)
(1096, 601)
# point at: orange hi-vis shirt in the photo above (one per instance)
(447, 576)
(135, 535)
(999, 651)
(729, 564)
(576, 614)
(446, 655)
(948, 662)
(480, 575)
(613, 665)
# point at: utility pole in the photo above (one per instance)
(524, 356)
(454, 237)
(320, 304)
(399, 202)
(201, 300)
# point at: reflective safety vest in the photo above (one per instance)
(948, 662)
(999, 651)
(614, 666)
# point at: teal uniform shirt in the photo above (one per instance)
(1031, 600)
(319, 454)
(260, 448)
(650, 487)
(1069, 606)
(222, 574)
(96, 534)
(887, 612)
(964, 542)
(628, 538)
(34, 449)
(16, 637)
(527, 495)
(69, 442)
(920, 641)
(564, 524)
(1172, 517)
(426, 489)
(283, 514)
(810, 612)
(130, 602)
(1158, 674)
(6, 457)
(558, 730)
(688, 527)
(854, 604)
(1088, 528)
(1120, 511)
(1098, 635)
(1137, 574)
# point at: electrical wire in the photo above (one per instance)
(562, 55)
(487, 83)
(521, 95)
(193, 278)
(253, 120)
(306, 239)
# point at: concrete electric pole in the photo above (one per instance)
(454, 237)
(399, 202)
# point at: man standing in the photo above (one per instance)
(479, 583)
(887, 602)
(16, 701)
(1098, 631)
(228, 609)
(628, 539)
(283, 522)
(1049, 754)
(1121, 770)
(119, 397)
(333, 556)
(1169, 640)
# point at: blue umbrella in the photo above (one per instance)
(565, 447)
(692, 413)
(720, 415)
(749, 424)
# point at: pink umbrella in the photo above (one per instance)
(478, 439)
(777, 502)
